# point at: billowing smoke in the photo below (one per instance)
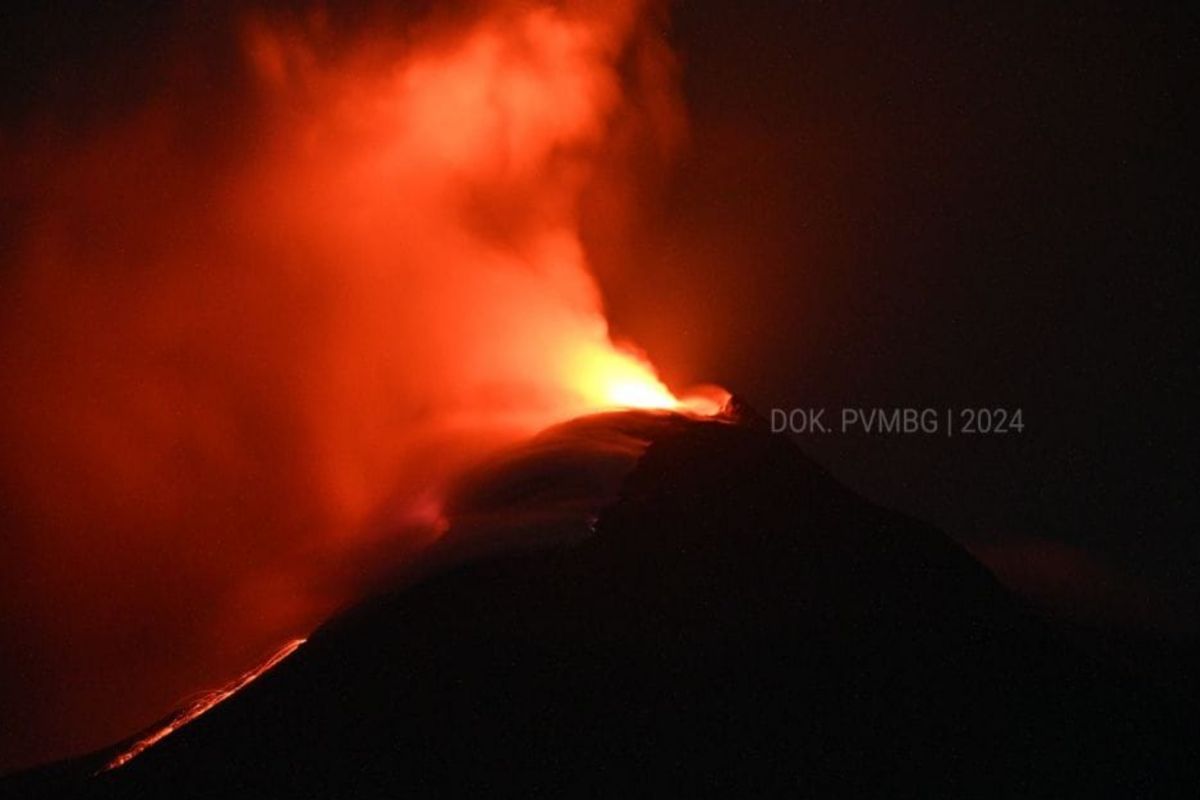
(254, 320)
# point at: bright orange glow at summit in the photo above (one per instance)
(610, 378)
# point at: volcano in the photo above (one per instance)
(644, 601)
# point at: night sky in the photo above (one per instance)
(894, 206)
(971, 207)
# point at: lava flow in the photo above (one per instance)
(204, 703)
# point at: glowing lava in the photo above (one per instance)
(610, 378)
(206, 702)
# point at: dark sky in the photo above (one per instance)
(895, 206)
(978, 206)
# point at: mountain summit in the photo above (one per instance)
(646, 601)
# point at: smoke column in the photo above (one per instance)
(255, 320)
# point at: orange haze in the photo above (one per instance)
(252, 323)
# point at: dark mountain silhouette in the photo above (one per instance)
(734, 619)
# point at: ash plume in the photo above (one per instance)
(302, 273)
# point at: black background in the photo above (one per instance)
(969, 206)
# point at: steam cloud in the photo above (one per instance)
(254, 321)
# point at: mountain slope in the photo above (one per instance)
(734, 619)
